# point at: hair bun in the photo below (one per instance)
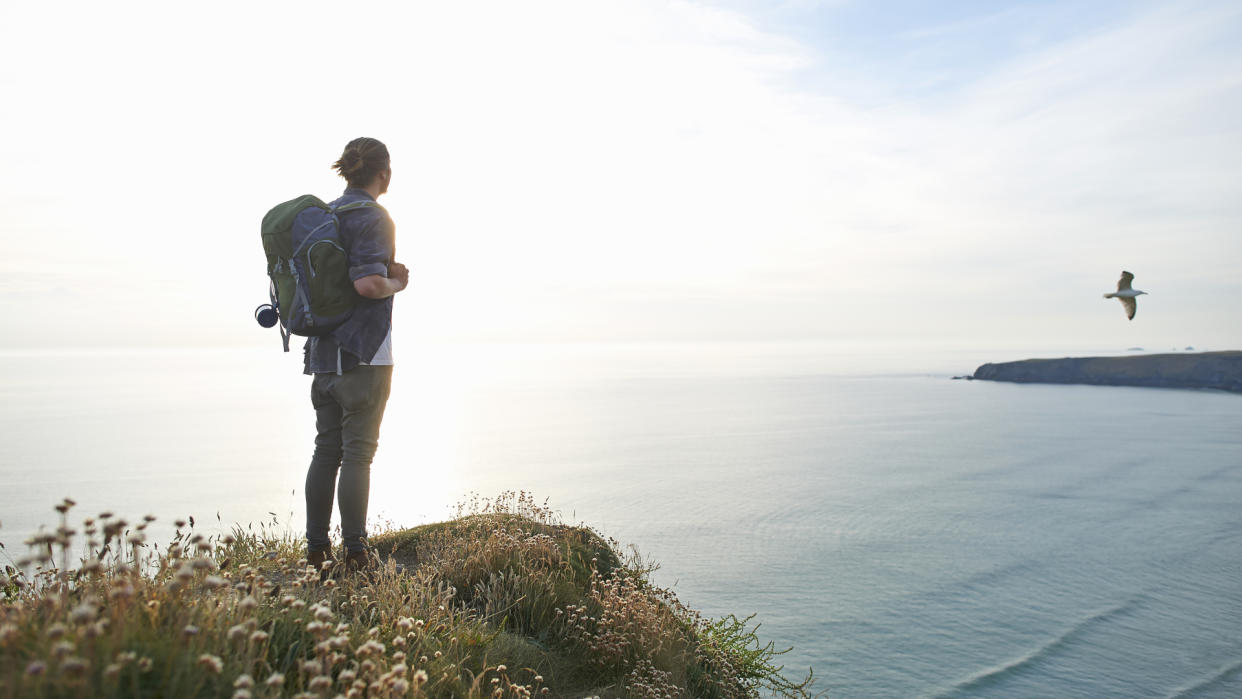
(362, 160)
(354, 161)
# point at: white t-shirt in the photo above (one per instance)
(383, 356)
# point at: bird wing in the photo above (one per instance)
(1123, 284)
(1130, 307)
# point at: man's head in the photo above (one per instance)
(365, 165)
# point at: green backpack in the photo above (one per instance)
(309, 267)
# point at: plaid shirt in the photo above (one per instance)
(369, 235)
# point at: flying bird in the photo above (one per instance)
(1125, 294)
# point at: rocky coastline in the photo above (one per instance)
(1201, 370)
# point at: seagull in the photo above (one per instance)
(1125, 294)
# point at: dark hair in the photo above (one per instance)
(362, 160)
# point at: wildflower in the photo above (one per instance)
(275, 680)
(258, 637)
(112, 671)
(36, 668)
(371, 647)
(404, 624)
(400, 687)
(201, 563)
(241, 694)
(420, 677)
(189, 631)
(62, 649)
(53, 632)
(211, 663)
(501, 668)
(212, 582)
(243, 681)
(237, 633)
(144, 664)
(82, 614)
(438, 654)
(185, 573)
(73, 666)
(323, 613)
(320, 684)
(311, 667)
(346, 676)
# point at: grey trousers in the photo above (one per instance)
(348, 412)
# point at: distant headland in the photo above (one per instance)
(1213, 370)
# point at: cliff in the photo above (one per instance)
(1214, 370)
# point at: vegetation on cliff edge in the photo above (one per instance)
(503, 600)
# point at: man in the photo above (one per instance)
(352, 366)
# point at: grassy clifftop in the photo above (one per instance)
(503, 600)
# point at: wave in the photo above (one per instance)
(1221, 675)
(991, 675)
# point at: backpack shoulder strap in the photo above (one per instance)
(357, 205)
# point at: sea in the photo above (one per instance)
(902, 533)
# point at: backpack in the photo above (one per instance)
(309, 268)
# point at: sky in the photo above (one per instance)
(960, 172)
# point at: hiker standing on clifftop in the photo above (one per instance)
(352, 365)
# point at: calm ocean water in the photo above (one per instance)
(908, 535)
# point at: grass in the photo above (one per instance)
(503, 600)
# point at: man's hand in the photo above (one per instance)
(399, 272)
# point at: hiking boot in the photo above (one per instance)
(321, 561)
(358, 562)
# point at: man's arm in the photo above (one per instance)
(373, 276)
(377, 286)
